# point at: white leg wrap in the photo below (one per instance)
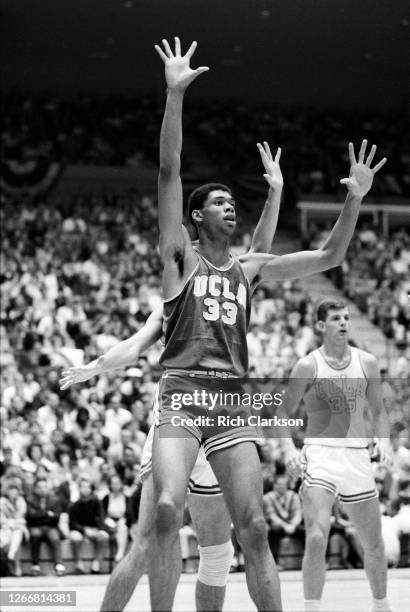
(215, 563)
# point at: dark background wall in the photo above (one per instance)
(337, 52)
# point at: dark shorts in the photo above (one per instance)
(207, 407)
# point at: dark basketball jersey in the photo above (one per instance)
(205, 325)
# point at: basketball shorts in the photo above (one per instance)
(202, 481)
(207, 406)
(343, 471)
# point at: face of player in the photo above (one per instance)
(218, 212)
(336, 328)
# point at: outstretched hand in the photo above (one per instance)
(361, 175)
(273, 172)
(178, 73)
(76, 375)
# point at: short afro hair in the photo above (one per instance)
(199, 195)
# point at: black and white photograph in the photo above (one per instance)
(205, 306)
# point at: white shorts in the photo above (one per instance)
(202, 481)
(345, 472)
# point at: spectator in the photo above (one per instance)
(133, 437)
(125, 467)
(283, 514)
(86, 520)
(99, 438)
(43, 514)
(12, 525)
(401, 454)
(68, 485)
(35, 458)
(90, 465)
(116, 412)
(8, 460)
(115, 512)
(401, 521)
(81, 428)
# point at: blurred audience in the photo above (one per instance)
(115, 512)
(283, 514)
(122, 131)
(86, 520)
(13, 528)
(43, 516)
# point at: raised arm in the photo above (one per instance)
(178, 76)
(304, 263)
(265, 230)
(121, 355)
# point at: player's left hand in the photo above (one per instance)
(272, 168)
(361, 175)
(382, 450)
(178, 73)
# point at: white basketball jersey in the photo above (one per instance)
(335, 403)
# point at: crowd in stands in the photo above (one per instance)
(79, 273)
(70, 460)
(376, 276)
(121, 131)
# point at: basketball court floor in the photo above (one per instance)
(345, 591)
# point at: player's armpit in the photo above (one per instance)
(178, 267)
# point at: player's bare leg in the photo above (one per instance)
(317, 510)
(212, 525)
(237, 470)
(366, 518)
(172, 462)
(126, 575)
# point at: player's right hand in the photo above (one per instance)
(178, 73)
(293, 463)
(76, 375)
(383, 453)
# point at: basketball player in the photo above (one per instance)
(336, 381)
(207, 507)
(206, 310)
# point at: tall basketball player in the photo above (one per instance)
(207, 507)
(336, 381)
(206, 310)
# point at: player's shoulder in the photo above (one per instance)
(252, 264)
(305, 367)
(368, 361)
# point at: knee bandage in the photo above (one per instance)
(215, 563)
